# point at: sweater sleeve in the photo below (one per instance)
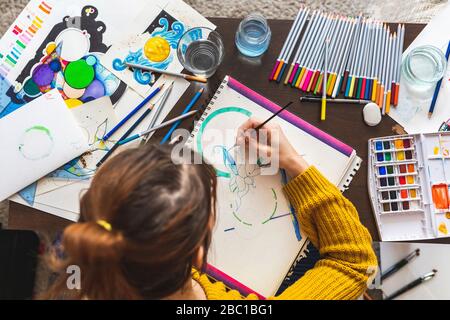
(332, 224)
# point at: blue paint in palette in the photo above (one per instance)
(380, 157)
(378, 145)
(382, 171)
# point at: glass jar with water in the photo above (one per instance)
(253, 35)
(201, 51)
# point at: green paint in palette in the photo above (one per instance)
(388, 156)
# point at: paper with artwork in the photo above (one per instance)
(62, 45)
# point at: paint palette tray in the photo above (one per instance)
(408, 181)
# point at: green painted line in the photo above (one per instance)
(274, 209)
(205, 123)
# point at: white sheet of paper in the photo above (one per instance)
(432, 256)
(37, 139)
(413, 106)
(95, 118)
(132, 49)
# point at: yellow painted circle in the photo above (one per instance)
(73, 103)
(157, 49)
(51, 47)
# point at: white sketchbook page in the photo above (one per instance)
(128, 49)
(413, 106)
(273, 246)
(432, 256)
(37, 139)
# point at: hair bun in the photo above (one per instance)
(90, 243)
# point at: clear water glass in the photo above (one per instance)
(424, 66)
(201, 51)
(253, 35)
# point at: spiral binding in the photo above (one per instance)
(206, 108)
(350, 174)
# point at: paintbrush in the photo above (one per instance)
(273, 116)
(169, 73)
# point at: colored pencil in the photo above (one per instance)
(169, 73)
(281, 61)
(399, 62)
(160, 107)
(155, 128)
(125, 135)
(438, 87)
(186, 110)
(133, 112)
(323, 112)
(291, 47)
(300, 48)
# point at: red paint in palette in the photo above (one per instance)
(406, 143)
(402, 180)
(404, 194)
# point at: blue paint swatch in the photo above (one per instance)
(378, 145)
(380, 157)
(382, 171)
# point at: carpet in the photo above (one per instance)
(385, 10)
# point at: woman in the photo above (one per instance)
(146, 225)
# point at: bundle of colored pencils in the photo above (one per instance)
(364, 57)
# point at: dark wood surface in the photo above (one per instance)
(343, 121)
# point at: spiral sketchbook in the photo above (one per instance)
(256, 240)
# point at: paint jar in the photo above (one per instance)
(253, 35)
(424, 66)
(201, 51)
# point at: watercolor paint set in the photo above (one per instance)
(409, 180)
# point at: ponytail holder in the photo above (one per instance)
(105, 225)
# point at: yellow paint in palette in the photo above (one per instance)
(400, 155)
(398, 144)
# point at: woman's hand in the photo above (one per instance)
(289, 159)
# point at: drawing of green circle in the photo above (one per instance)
(272, 213)
(79, 74)
(36, 143)
(216, 113)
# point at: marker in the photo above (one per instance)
(347, 101)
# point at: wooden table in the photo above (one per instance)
(343, 121)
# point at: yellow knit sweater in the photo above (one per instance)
(332, 224)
